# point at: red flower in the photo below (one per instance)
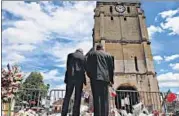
(19, 75)
(155, 112)
(32, 102)
(171, 97)
(9, 72)
(113, 93)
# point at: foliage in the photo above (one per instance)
(11, 80)
(34, 80)
(33, 89)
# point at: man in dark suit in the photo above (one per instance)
(100, 70)
(74, 78)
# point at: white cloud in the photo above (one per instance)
(169, 84)
(21, 47)
(62, 86)
(60, 51)
(158, 59)
(170, 22)
(169, 79)
(172, 25)
(152, 30)
(70, 21)
(163, 70)
(156, 19)
(52, 75)
(13, 58)
(172, 57)
(73, 21)
(25, 32)
(61, 65)
(174, 66)
(169, 13)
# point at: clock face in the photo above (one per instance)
(120, 8)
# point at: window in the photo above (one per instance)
(125, 18)
(136, 65)
(128, 9)
(148, 43)
(56, 108)
(111, 18)
(110, 9)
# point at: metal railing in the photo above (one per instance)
(56, 97)
(127, 99)
(152, 101)
(31, 97)
(27, 98)
(40, 100)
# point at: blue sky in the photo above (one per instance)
(39, 35)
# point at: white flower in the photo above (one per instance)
(15, 90)
(8, 84)
(9, 89)
(16, 84)
(5, 99)
(83, 108)
(3, 91)
(18, 76)
(10, 95)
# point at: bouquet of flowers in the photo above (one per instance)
(11, 80)
(112, 91)
(26, 112)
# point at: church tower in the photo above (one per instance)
(121, 28)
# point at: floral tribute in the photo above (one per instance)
(26, 112)
(171, 97)
(10, 82)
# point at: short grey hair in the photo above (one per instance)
(79, 50)
(99, 47)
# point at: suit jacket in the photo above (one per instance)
(100, 66)
(75, 67)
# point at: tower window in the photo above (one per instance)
(111, 18)
(136, 64)
(125, 18)
(110, 9)
(148, 43)
(128, 9)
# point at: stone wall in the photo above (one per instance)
(125, 36)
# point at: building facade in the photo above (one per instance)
(122, 29)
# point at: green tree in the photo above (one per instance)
(33, 89)
(34, 80)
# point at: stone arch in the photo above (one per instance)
(126, 90)
(127, 86)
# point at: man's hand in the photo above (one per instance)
(111, 84)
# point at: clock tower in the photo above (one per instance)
(121, 28)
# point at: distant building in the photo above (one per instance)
(57, 105)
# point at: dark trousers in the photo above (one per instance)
(69, 90)
(100, 98)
